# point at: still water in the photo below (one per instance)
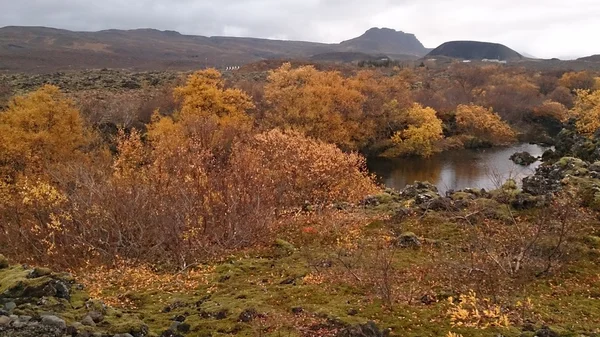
(483, 168)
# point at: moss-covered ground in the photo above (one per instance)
(318, 277)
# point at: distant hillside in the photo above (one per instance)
(593, 58)
(385, 41)
(40, 49)
(473, 50)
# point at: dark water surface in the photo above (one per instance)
(483, 168)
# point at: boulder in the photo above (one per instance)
(421, 191)
(54, 321)
(523, 158)
(5, 321)
(247, 315)
(369, 329)
(408, 240)
(96, 316)
(88, 321)
(3, 262)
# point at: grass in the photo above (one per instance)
(324, 272)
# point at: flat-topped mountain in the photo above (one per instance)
(474, 50)
(41, 49)
(385, 41)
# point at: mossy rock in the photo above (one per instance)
(131, 325)
(285, 246)
(15, 282)
(592, 241)
(3, 262)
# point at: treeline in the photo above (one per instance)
(375, 111)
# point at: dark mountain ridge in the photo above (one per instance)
(41, 49)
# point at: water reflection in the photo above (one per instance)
(486, 168)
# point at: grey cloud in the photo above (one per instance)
(543, 28)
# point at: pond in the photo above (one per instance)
(459, 169)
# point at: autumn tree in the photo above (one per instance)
(422, 130)
(39, 130)
(319, 104)
(511, 95)
(587, 111)
(578, 80)
(379, 90)
(215, 116)
(484, 124)
(553, 110)
(563, 96)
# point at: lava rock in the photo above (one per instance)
(88, 321)
(408, 240)
(523, 158)
(10, 306)
(247, 315)
(5, 321)
(54, 321)
(96, 316)
(369, 329)
(3, 262)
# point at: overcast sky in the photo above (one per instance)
(543, 28)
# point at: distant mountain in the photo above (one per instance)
(386, 41)
(593, 58)
(41, 49)
(474, 50)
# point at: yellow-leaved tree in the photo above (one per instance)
(39, 130)
(211, 114)
(587, 111)
(484, 124)
(316, 103)
(423, 129)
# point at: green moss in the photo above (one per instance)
(593, 241)
(285, 246)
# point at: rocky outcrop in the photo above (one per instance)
(523, 158)
(36, 302)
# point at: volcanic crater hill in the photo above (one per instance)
(41, 49)
(475, 50)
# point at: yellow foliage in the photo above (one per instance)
(581, 80)
(318, 104)
(587, 112)
(38, 130)
(471, 311)
(423, 130)
(484, 124)
(204, 94)
(114, 285)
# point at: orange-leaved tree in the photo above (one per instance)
(316, 103)
(484, 124)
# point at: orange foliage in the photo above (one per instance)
(553, 110)
(319, 104)
(113, 286)
(581, 80)
(484, 124)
